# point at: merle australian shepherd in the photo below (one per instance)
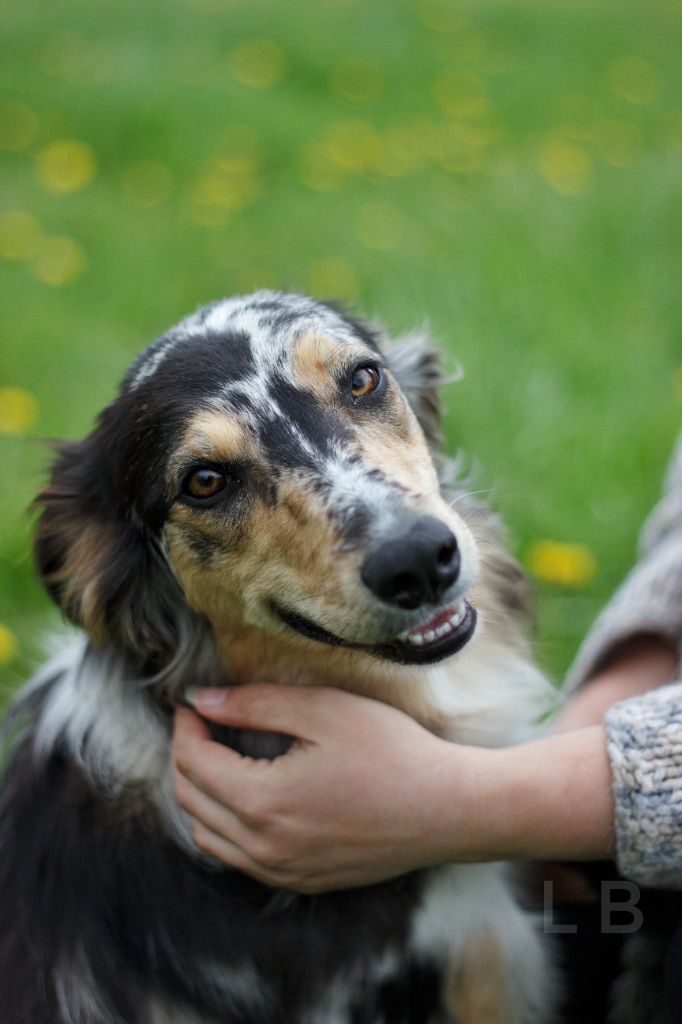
(262, 500)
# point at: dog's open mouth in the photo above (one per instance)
(439, 637)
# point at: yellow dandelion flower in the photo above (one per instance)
(214, 189)
(358, 80)
(20, 235)
(332, 278)
(353, 146)
(227, 185)
(633, 79)
(566, 166)
(380, 226)
(402, 152)
(8, 645)
(66, 165)
(567, 565)
(18, 410)
(18, 125)
(258, 63)
(59, 261)
(146, 183)
(461, 94)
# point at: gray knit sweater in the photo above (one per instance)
(644, 734)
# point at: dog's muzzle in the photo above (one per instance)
(414, 568)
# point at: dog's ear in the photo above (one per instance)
(103, 569)
(416, 365)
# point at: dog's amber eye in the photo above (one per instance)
(364, 381)
(204, 483)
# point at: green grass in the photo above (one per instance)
(513, 181)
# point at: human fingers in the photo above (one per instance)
(298, 711)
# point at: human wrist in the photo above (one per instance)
(558, 798)
(547, 799)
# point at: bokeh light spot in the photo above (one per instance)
(380, 226)
(18, 125)
(633, 79)
(8, 645)
(332, 278)
(353, 145)
(146, 183)
(567, 565)
(404, 150)
(20, 235)
(66, 165)
(18, 410)
(258, 63)
(358, 80)
(566, 166)
(461, 94)
(226, 186)
(59, 261)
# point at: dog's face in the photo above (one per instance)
(265, 450)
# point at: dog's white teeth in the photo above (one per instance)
(460, 612)
(427, 636)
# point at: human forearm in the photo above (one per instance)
(642, 663)
(548, 799)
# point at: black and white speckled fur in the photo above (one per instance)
(111, 915)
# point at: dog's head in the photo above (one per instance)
(266, 467)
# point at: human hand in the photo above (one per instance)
(359, 796)
(366, 793)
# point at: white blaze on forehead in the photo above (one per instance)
(270, 320)
(350, 482)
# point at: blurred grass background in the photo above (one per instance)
(508, 172)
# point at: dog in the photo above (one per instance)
(263, 499)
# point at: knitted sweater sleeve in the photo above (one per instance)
(644, 734)
(650, 598)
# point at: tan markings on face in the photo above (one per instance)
(395, 444)
(280, 552)
(315, 360)
(213, 436)
(479, 991)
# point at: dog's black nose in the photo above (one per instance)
(416, 566)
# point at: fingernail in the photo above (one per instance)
(206, 696)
